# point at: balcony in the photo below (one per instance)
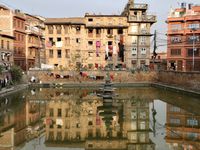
(143, 18)
(34, 31)
(139, 6)
(175, 31)
(141, 32)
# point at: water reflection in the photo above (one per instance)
(183, 128)
(78, 118)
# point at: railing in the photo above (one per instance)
(139, 6)
(144, 18)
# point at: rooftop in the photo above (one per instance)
(75, 20)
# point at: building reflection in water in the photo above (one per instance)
(183, 129)
(86, 121)
(12, 122)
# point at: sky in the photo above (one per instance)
(78, 8)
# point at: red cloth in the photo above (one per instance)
(98, 120)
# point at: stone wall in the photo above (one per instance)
(74, 76)
(189, 80)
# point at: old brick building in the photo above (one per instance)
(183, 53)
(93, 41)
(34, 26)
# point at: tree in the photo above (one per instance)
(16, 73)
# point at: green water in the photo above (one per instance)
(77, 119)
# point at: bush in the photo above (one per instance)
(16, 73)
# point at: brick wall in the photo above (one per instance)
(189, 80)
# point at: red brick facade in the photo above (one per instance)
(184, 38)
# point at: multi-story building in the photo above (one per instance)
(6, 37)
(183, 53)
(137, 45)
(95, 41)
(182, 128)
(34, 41)
(13, 24)
(137, 124)
(6, 51)
(82, 121)
(19, 43)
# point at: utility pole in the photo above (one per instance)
(193, 47)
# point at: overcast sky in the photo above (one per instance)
(77, 8)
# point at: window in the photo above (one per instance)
(176, 39)
(120, 31)
(78, 40)
(176, 27)
(192, 39)
(175, 52)
(51, 114)
(67, 41)
(18, 23)
(78, 29)
(143, 40)
(110, 43)
(133, 115)
(143, 115)
(50, 29)
(59, 112)
(18, 37)
(109, 31)
(143, 51)
(14, 23)
(59, 54)
(175, 109)
(90, 19)
(66, 112)
(90, 31)
(190, 52)
(8, 45)
(22, 25)
(58, 39)
(142, 125)
(66, 29)
(58, 28)
(98, 31)
(192, 122)
(134, 39)
(134, 51)
(90, 43)
(2, 44)
(134, 28)
(194, 26)
(175, 121)
(67, 53)
(50, 53)
(22, 37)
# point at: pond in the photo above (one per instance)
(142, 118)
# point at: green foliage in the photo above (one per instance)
(16, 73)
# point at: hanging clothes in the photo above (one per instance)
(97, 51)
(59, 122)
(115, 50)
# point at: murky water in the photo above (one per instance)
(77, 119)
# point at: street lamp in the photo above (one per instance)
(193, 46)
